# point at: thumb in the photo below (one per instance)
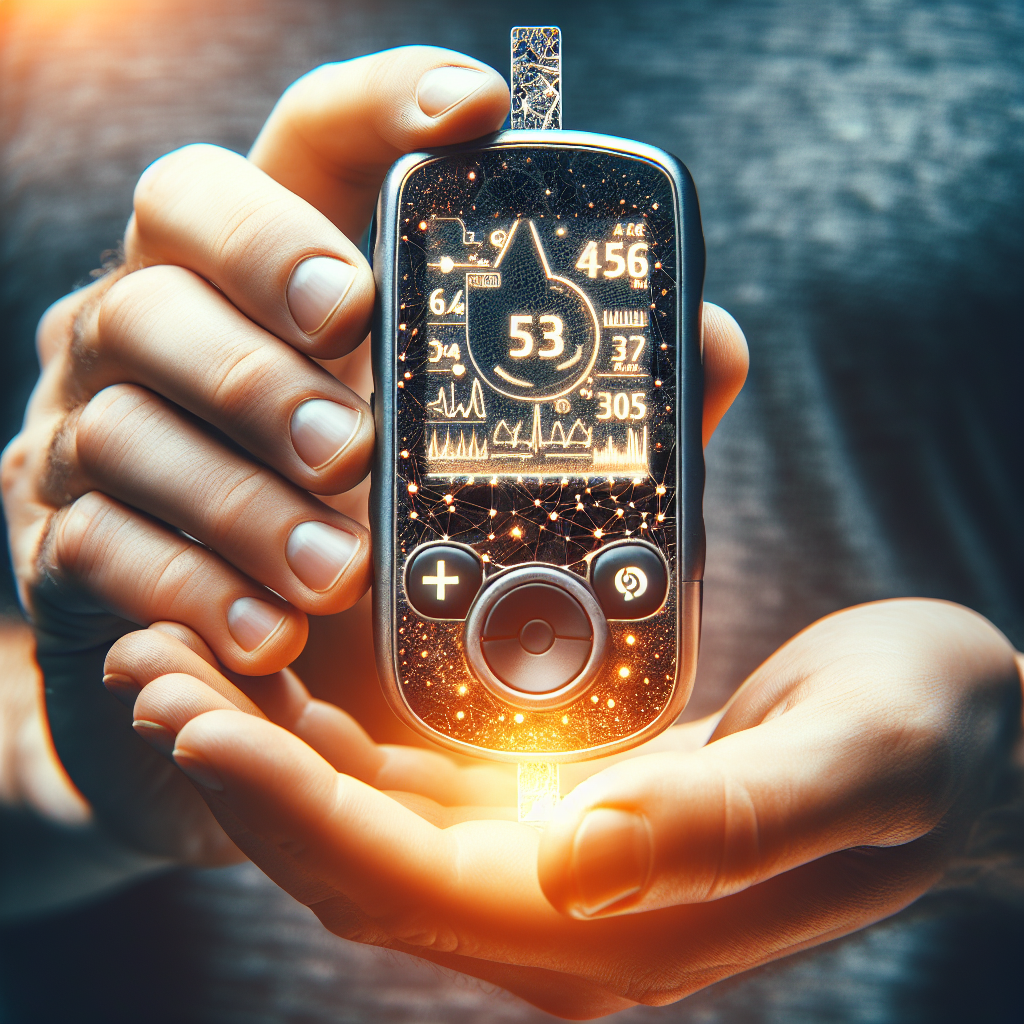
(675, 828)
(336, 131)
(869, 729)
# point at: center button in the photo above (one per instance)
(536, 636)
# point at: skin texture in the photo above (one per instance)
(838, 781)
(833, 790)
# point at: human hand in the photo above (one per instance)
(838, 783)
(183, 417)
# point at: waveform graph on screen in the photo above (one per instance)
(630, 459)
(452, 405)
(456, 446)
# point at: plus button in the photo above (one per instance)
(439, 580)
(442, 580)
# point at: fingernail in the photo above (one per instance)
(319, 554)
(198, 770)
(442, 88)
(252, 622)
(611, 859)
(123, 687)
(316, 289)
(155, 734)
(321, 430)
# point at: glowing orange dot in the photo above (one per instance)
(611, 703)
(462, 690)
(593, 700)
(660, 489)
(519, 719)
(448, 499)
(631, 640)
(493, 512)
(413, 488)
(516, 532)
(553, 515)
(423, 225)
(565, 719)
(404, 454)
(623, 672)
(424, 654)
(460, 715)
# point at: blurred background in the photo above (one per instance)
(859, 164)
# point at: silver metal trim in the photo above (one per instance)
(507, 581)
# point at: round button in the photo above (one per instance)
(536, 634)
(630, 580)
(441, 580)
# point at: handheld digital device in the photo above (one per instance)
(537, 489)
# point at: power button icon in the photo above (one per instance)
(630, 580)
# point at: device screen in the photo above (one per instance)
(536, 373)
(539, 349)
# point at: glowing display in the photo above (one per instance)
(538, 346)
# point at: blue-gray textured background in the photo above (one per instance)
(860, 173)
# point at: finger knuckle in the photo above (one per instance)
(76, 533)
(740, 846)
(245, 378)
(246, 238)
(172, 173)
(109, 421)
(13, 461)
(125, 306)
(233, 498)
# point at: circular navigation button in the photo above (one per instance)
(535, 636)
(630, 580)
(441, 580)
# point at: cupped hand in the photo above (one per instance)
(832, 791)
